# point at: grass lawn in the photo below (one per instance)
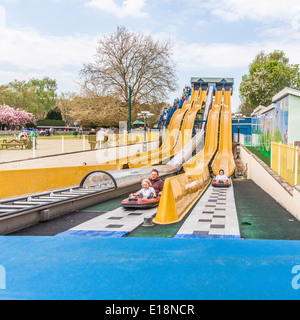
(262, 157)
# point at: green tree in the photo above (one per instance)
(54, 114)
(20, 95)
(268, 74)
(45, 93)
(35, 96)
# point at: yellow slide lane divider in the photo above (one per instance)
(181, 192)
(203, 158)
(224, 158)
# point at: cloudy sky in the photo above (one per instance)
(211, 38)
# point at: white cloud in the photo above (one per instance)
(227, 59)
(224, 56)
(266, 11)
(2, 17)
(29, 48)
(230, 56)
(31, 54)
(128, 8)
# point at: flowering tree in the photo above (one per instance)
(14, 117)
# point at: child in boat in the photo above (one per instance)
(147, 191)
(221, 177)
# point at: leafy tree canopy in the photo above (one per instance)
(268, 75)
(35, 96)
(54, 114)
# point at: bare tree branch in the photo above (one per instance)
(127, 56)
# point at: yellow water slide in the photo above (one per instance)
(181, 192)
(224, 158)
(184, 137)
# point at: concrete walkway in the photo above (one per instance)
(214, 216)
(72, 152)
(45, 147)
(113, 224)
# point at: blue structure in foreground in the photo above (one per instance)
(146, 269)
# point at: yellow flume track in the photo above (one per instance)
(181, 192)
(184, 137)
(224, 158)
(211, 141)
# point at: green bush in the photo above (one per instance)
(51, 123)
(54, 114)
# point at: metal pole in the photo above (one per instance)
(145, 135)
(129, 127)
(238, 141)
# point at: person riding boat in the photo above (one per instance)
(147, 191)
(221, 177)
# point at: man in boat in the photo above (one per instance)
(156, 182)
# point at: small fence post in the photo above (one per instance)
(62, 144)
(83, 146)
(33, 147)
(271, 155)
(296, 166)
(279, 158)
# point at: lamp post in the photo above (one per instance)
(129, 126)
(145, 115)
(238, 117)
